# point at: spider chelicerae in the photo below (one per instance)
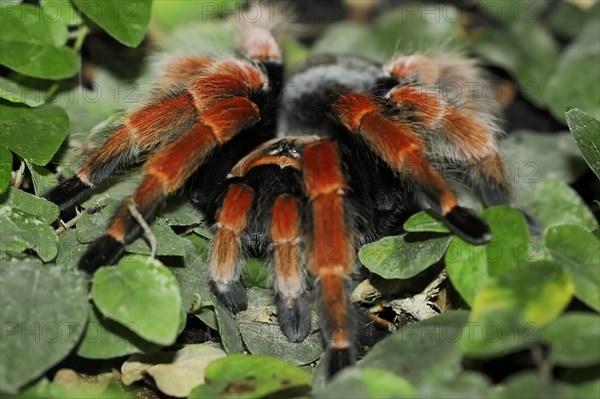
(306, 178)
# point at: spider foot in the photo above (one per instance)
(468, 226)
(68, 193)
(232, 295)
(338, 359)
(104, 251)
(294, 317)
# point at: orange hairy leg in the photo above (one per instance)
(330, 248)
(167, 170)
(469, 139)
(403, 150)
(226, 254)
(146, 128)
(293, 306)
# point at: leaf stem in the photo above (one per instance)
(90, 209)
(19, 175)
(543, 366)
(147, 232)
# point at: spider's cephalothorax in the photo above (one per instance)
(306, 170)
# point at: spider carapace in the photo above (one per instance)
(306, 170)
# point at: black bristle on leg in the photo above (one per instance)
(104, 251)
(338, 359)
(294, 317)
(233, 296)
(68, 193)
(493, 194)
(467, 225)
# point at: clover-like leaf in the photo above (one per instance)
(251, 377)
(125, 21)
(574, 339)
(105, 339)
(586, 131)
(141, 294)
(44, 311)
(578, 251)
(509, 310)
(470, 267)
(35, 134)
(367, 383)
(403, 256)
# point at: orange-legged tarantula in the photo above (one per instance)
(313, 175)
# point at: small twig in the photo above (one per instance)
(19, 175)
(543, 367)
(147, 232)
(90, 209)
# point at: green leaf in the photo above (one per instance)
(552, 203)
(416, 28)
(168, 243)
(141, 294)
(262, 335)
(173, 13)
(244, 376)
(424, 222)
(194, 276)
(44, 127)
(69, 249)
(366, 383)
(465, 385)
(44, 311)
(513, 11)
(228, 330)
(29, 203)
(32, 44)
(6, 160)
(61, 11)
(256, 273)
(509, 310)
(345, 38)
(586, 131)
(179, 212)
(402, 256)
(574, 339)
(529, 385)
(106, 339)
(470, 267)
(533, 157)
(567, 18)
(576, 82)
(578, 251)
(125, 21)
(43, 179)
(19, 93)
(421, 352)
(518, 49)
(175, 373)
(24, 219)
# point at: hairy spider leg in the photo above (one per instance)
(226, 255)
(167, 170)
(293, 305)
(140, 131)
(403, 150)
(331, 249)
(472, 140)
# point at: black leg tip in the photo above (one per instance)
(232, 295)
(468, 226)
(338, 359)
(104, 251)
(294, 317)
(68, 193)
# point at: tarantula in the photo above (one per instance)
(307, 177)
